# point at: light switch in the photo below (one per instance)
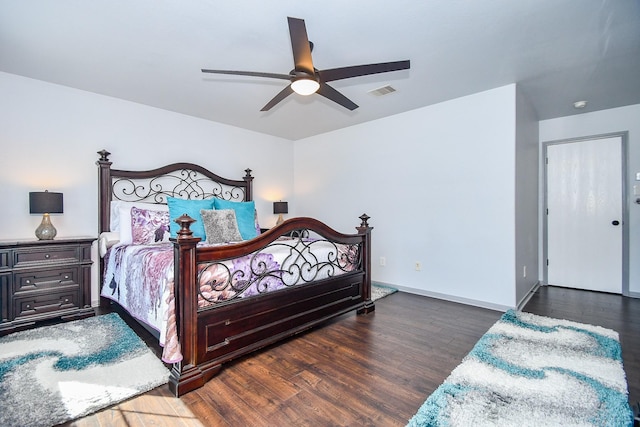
(637, 176)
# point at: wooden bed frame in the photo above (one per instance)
(214, 335)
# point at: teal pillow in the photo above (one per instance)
(245, 215)
(177, 207)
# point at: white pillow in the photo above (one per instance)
(106, 240)
(126, 232)
(114, 217)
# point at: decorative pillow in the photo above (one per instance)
(149, 226)
(178, 207)
(116, 209)
(257, 225)
(245, 215)
(220, 226)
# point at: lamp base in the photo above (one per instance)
(46, 230)
(280, 220)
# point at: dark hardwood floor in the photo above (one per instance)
(372, 370)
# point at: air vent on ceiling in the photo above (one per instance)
(385, 90)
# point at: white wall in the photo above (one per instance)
(451, 207)
(526, 198)
(50, 134)
(602, 122)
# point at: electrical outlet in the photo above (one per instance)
(383, 261)
(418, 266)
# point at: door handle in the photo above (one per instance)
(615, 222)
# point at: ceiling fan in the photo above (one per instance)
(306, 79)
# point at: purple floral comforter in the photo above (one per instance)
(140, 278)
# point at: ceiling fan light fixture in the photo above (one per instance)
(305, 86)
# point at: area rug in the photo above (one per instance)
(54, 374)
(530, 370)
(380, 291)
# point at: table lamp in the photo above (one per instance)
(45, 203)
(280, 208)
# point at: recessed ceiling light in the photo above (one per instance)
(580, 104)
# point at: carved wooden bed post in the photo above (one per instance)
(104, 183)
(185, 375)
(364, 228)
(248, 179)
(104, 202)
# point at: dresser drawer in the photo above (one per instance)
(5, 285)
(46, 303)
(50, 254)
(5, 258)
(29, 281)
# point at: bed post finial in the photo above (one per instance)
(104, 155)
(364, 224)
(184, 222)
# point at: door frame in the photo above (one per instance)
(624, 208)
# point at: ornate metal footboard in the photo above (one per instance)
(282, 264)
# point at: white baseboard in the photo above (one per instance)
(529, 294)
(451, 298)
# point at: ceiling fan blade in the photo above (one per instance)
(300, 46)
(362, 70)
(279, 97)
(249, 73)
(332, 94)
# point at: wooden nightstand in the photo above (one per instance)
(43, 280)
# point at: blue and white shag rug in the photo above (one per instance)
(54, 374)
(380, 291)
(530, 370)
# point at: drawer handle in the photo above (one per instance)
(28, 306)
(47, 256)
(66, 300)
(66, 277)
(28, 282)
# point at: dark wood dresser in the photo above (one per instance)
(42, 280)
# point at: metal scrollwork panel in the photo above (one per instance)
(185, 184)
(282, 264)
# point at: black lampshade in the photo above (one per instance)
(41, 202)
(280, 207)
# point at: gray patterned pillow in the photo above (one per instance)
(220, 226)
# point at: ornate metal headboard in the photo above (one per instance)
(184, 180)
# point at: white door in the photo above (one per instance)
(584, 214)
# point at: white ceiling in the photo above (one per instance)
(151, 52)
